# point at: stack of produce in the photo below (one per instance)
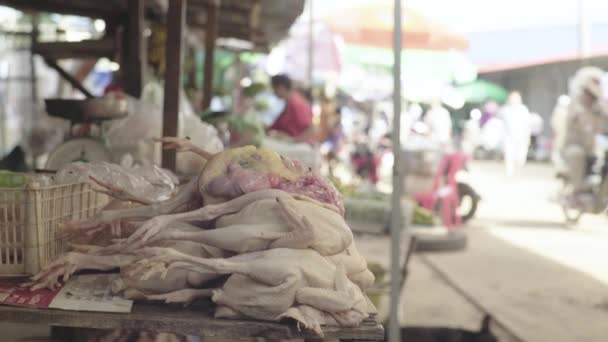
(375, 207)
(273, 229)
(10, 179)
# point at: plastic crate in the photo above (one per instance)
(30, 223)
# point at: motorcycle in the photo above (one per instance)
(468, 198)
(574, 205)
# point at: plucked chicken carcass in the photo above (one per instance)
(230, 174)
(131, 283)
(266, 284)
(273, 228)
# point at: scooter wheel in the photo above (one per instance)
(468, 200)
(449, 242)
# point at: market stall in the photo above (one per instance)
(43, 214)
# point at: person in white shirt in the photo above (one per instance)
(439, 121)
(516, 118)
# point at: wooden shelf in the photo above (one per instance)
(196, 320)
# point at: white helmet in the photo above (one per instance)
(587, 79)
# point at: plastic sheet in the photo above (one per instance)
(305, 153)
(148, 183)
(134, 134)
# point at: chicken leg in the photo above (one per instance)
(72, 262)
(297, 232)
(207, 213)
(187, 197)
(183, 145)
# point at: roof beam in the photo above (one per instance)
(87, 8)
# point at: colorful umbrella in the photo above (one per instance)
(370, 24)
(481, 91)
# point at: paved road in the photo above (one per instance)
(545, 281)
(519, 210)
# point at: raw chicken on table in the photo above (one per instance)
(260, 235)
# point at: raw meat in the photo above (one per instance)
(230, 174)
(131, 282)
(269, 230)
(279, 221)
(266, 284)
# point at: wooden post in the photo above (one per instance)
(134, 57)
(34, 38)
(176, 19)
(210, 36)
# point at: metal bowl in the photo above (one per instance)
(87, 110)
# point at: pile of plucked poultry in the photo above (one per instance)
(259, 234)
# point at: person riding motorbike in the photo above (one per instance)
(587, 117)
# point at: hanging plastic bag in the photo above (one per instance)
(135, 133)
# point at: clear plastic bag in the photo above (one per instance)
(148, 183)
(134, 134)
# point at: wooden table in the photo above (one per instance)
(197, 320)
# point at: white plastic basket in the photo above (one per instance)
(30, 221)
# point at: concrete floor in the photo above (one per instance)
(545, 281)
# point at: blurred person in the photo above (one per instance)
(439, 122)
(333, 140)
(296, 119)
(516, 118)
(586, 118)
(559, 126)
(536, 130)
(488, 111)
(411, 116)
(379, 127)
(471, 132)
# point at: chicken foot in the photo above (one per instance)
(72, 262)
(117, 192)
(183, 145)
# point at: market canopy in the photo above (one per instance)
(370, 24)
(261, 22)
(481, 90)
(432, 55)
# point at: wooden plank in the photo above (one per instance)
(104, 47)
(66, 76)
(226, 5)
(134, 57)
(210, 37)
(200, 19)
(33, 74)
(176, 19)
(88, 8)
(196, 320)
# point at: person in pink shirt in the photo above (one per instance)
(296, 119)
